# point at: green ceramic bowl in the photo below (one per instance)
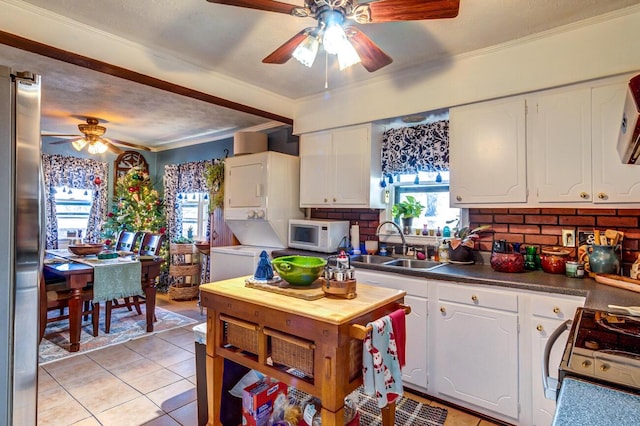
(299, 270)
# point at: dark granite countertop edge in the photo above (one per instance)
(598, 295)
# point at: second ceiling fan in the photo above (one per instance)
(335, 33)
(92, 138)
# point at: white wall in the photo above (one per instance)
(561, 57)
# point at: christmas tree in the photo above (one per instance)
(136, 207)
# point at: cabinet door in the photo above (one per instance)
(543, 408)
(487, 153)
(613, 182)
(246, 188)
(351, 165)
(477, 356)
(316, 169)
(561, 146)
(414, 373)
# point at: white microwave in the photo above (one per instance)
(317, 235)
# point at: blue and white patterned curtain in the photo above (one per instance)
(179, 178)
(423, 148)
(75, 173)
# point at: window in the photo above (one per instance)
(72, 211)
(195, 214)
(433, 192)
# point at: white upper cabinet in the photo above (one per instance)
(341, 168)
(560, 138)
(573, 139)
(487, 153)
(613, 181)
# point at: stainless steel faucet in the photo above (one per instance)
(404, 241)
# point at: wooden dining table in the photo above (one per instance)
(79, 275)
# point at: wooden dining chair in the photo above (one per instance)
(127, 240)
(150, 245)
(55, 296)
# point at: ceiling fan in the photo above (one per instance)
(336, 34)
(92, 138)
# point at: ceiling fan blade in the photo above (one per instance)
(283, 53)
(61, 142)
(412, 10)
(59, 135)
(127, 144)
(268, 5)
(111, 147)
(371, 56)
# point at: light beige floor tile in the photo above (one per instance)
(52, 398)
(154, 381)
(179, 337)
(149, 345)
(74, 369)
(45, 381)
(186, 368)
(137, 411)
(193, 379)
(63, 414)
(91, 421)
(190, 347)
(114, 356)
(165, 420)
(171, 356)
(110, 396)
(135, 369)
(174, 396)
(91, 384)
(187, 414)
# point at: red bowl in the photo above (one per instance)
(507, 262)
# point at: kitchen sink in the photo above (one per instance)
(412, 263)
(370, 258)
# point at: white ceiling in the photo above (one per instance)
(232, 42)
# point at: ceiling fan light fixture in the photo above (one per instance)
(306, 51)
(334, 39)
(347, 56)
(97, 147)
(78, 144)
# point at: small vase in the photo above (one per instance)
(425, 230)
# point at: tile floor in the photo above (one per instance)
(148, 381)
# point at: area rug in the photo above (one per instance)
(125, 325)
(408, 411)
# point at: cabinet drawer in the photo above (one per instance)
(478, 297)
(556, 307)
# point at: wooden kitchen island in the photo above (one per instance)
(320, 328)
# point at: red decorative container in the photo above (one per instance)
(507, 262)
(554, 260)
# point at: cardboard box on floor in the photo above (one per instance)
(258, 399)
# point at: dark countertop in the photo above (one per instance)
(598, 295)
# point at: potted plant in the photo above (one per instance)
(407, 210)
(463, 242)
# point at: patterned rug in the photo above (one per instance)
(408, 411)
(125, 325)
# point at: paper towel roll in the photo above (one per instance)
(355, 236)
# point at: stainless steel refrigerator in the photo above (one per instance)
(20, 245)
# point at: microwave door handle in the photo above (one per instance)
(550, 384)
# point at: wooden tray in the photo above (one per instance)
(312, 292)
(619, 281)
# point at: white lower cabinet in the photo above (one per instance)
(414, 373)
(548, 313)
(476, 361)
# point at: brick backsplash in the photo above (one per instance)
(529, 226)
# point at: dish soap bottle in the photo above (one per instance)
(444, 251)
